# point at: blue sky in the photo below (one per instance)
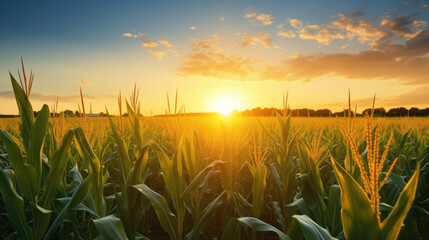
(72, 44)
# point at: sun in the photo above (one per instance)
(225, 104)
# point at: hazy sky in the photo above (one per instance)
(243, 52)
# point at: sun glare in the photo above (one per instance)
(225, 104)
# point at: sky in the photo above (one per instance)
(217, 54)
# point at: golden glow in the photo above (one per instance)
(225, 104)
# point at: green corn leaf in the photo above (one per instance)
(200, 177)
(391, 226)
(167, 219)
(397, 179)
(25, 111)
(232, 230)
(311, 230)
(125, 162)
(261, 226)
(137, 172)
(335, 209)
(53, 182)
(14, 205)
(78, 196)
(94, 169)
(58, 165)
(205, 217)
(25, 173)
(358, 219)
(258, 190)
(38, 133)
(110, 228)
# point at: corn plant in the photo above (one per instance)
(366, 223)
(26, 183)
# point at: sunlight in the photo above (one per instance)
(225, 104)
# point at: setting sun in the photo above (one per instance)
(225, 104)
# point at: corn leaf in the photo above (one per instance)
(37, 138)
(25, 173)
(78, 196)
(110, 228)
(261, 226)
(358, 219)
(25, 111)
(205, 217)
(14, 205)
(391, 226)
(311, 230)
(94, 168)
(166, 218)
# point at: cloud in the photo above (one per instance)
(295, 23)
(404, 26)
(85, 82)
(323, 35)
(407, 63)
(262, 18)
(262, 39)
(130, 35)
(148, 43)
(165, 43)
(415, 97)
(286, 34)
(192, 28)
(37, 96)
(169, 47)
(158, 54)
(364, 31)
(207, 59)
(222, 18)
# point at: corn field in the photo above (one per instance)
(178, 177)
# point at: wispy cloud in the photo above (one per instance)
(131, 35)
(169, 47)
(207, 59)
(262, 39)
(261, 18)
(323, 35)
(295, 23)
(286, 34)
(158, 54)
(192, 28)
(407, 63)
(37, 96)
(148, 43)
(85, 82)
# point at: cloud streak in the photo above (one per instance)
(260, 18)
(37, 96)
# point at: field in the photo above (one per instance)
(178, 177)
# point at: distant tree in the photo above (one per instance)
(68, 112)
(413, 112)
(77, 113)
(323, 113)
(397, 112)
(380, 112)
(424, 112)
